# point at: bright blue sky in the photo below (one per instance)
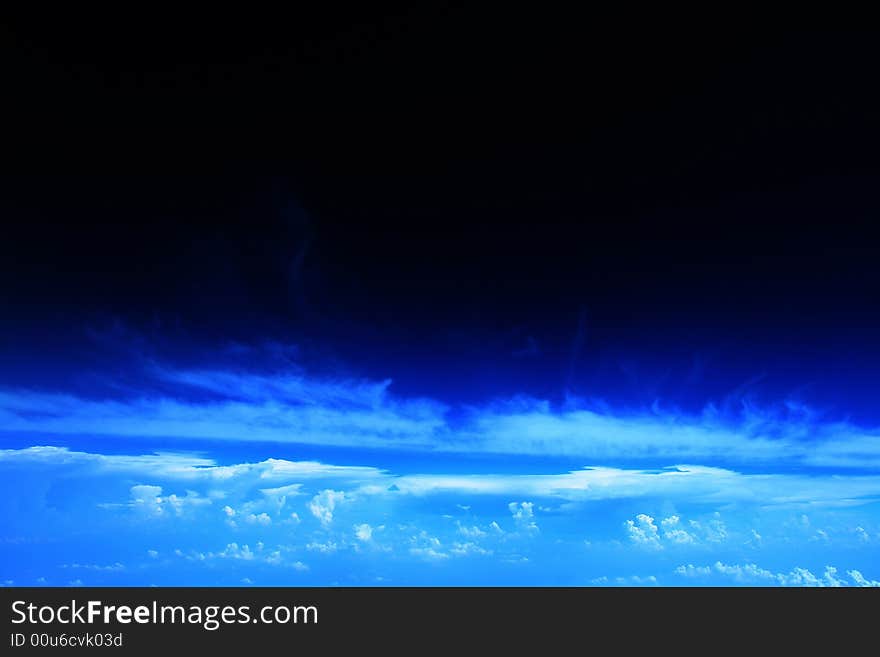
(224, 474)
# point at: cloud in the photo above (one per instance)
(860, 579)
(745, 573)
(148, 500)
(467, 549)
(691, 570)
(324, 503)
(632, 580)
(114, 567)
(261, 518)
(471, 532)
(187, 502)
(751, 573)
(643, 531)
(363, 532)
(242, 406)
(524, 516)
(325, 548)
(673, 531)
(693, 483)
(427, 547)
(294, 407)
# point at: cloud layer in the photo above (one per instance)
(297, 409)
(417, 491)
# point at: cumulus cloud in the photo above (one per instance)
(631, 580)
(643, 531)
(148, 500)
(745, 573)
(471, 532)
(326, 547)
(751, 574)
(324, 503)
(691, 570)
(524, 516)
(259, 518)
(468, 548)
(350, 503)
(673, 531)
(861, 580)
(363, 532)
(427, 547)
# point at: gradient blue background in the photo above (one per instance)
(431, 298)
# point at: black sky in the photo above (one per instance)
(448, 183)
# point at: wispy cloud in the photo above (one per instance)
(295, 408)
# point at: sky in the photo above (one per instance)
(354, 303)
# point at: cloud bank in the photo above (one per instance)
(297, 409)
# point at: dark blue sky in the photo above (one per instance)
(553, 208)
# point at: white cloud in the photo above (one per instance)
(326, 547)
(294, 407)
(524, 516)
(324, 503)
(427, 547)
(744, 573)
(148, 499)
(113, 567)
(363, 532)
(468, 548)
(643, 531)
(471, 532)
(233, 551)
(860, 579)
(751, 573)
(699, 484)
(673, 531)
(691, 570)
(258, 518)
(632, 580)
(692, 483)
